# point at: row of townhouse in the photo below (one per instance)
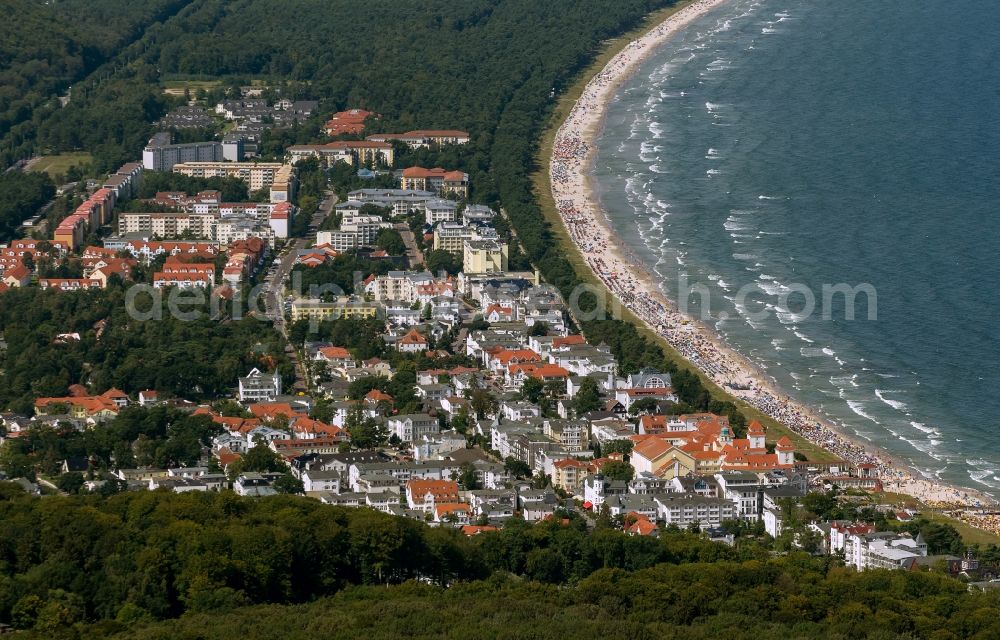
(185, 275)
(97, 209)
(146, 251)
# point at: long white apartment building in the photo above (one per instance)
(257, 175)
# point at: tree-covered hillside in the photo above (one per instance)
(197, 359)
(420, 64)
(92, 567)
(47, 46)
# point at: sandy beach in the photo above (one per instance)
(630, 283)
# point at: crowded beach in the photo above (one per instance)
(628, 281)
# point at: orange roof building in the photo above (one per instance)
(425, 494)
(412, 342)
(447, 511)
(351, 121)
(437, 180)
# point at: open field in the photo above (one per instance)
(543, 192)
(177, 87)
(58, 164)
(970, 534)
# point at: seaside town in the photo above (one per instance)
(484, 402)
(382, 338)
(635, 289)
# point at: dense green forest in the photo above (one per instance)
(138, 437)
(424, 64)
(199, 358)
(91, 566)
(786, 598)
(54, 45)
(21, 196)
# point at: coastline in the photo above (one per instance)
(588, 227)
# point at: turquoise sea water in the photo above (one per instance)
(774, 144)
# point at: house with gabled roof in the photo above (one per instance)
(412, 342)
(425, 494)
(452, 512)
(17, 276)
(335, 357)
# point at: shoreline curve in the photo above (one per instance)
(588, 228)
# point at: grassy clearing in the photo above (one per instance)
(543, 192)
(970, 534)
(177, 87)
(58, 165)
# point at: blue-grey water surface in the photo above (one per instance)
(777, 142)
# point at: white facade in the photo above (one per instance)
(259, 387)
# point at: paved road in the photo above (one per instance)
(413, 253)
(274, 284)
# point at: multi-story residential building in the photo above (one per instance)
(146, 250)
(424, 137)
(362, 152)
(257, 175)
(437, 180)
(310, 309)
(424, 494)
(182, 279)
(160, 155)
(406, 286)
(230, 230)
(570, 473)
(573, 434)
(258, 386)
(283, 184)
(439, 210)
(493, 504)
(400, 201)
(125, 182)
(327, 155)
(366, 228)
(451, 236)
(413, 427)
(350, 121)
(884, 550)
(477, 214)
(484, 256)
(685, 510)
(168, 224)
(234, 146)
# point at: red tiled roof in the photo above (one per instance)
(335, 353)
(474, 530)
(413, 337)
(440, 489)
